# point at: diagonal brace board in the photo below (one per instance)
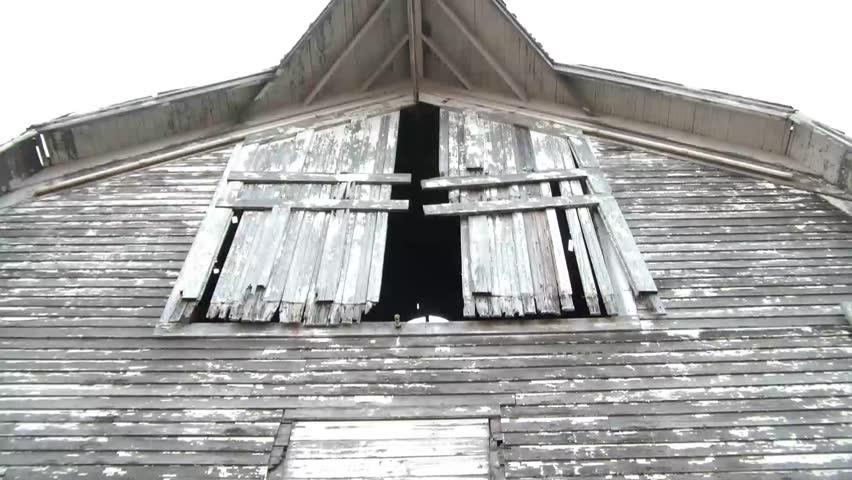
(639, 276)
(442, 55)
(384, 64)
(504, 74)
(346, 51)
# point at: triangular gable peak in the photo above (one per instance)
(460, 51)
(359, 45)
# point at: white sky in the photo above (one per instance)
(72, 56)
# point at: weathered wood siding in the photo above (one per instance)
(748, 372)
(411, 449)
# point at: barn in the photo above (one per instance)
(419, 248)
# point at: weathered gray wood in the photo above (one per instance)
(102, 472)
(439, 52)
(387, 150)
(305, 177)
(542, 266)
(498, 67)
(415, 448)
(468, 466)
(424, 429)
(233, 298)
(590, 241)
(353, 43)
(202, 255)
(509, 206)
(316, 204)
(640, 278)
(847, 311)
(548, 154)
(380, 69)
(755, 360)
(483, 181)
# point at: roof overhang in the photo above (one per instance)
(453, 53)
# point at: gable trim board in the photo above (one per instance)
(294, 118)
(762, 165)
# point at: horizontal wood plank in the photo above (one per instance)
(508, 206)
(309, 177)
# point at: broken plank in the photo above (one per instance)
(638, 274)
(205, 247)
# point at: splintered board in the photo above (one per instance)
(515, 260)
(308, 215)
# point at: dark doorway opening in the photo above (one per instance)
(422, 274)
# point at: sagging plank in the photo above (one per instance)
(317, 204)
(638, 274)
(201, 258)
(639, 277)
(483, 181)
(524, 205)
(312, 177)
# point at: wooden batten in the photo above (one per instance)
(312, 177)
(318, 205)
(509, 206)
(479, 181)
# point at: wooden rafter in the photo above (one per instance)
(447, 61)
(495, 64)
(416, 44)
(384, 65)
(346, 51)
